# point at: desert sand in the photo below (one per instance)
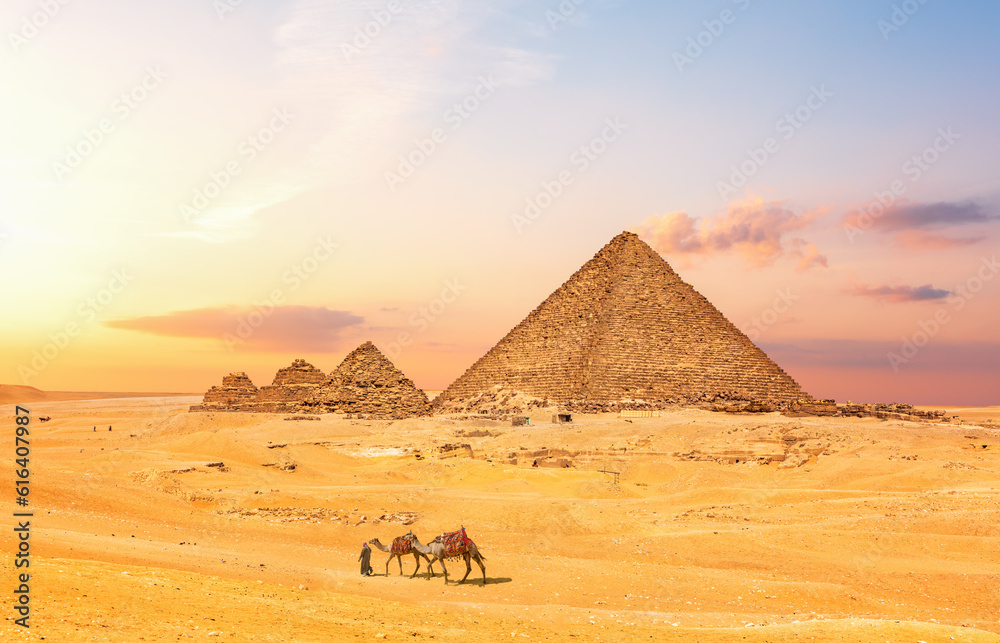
(19, 394)
(719, 527)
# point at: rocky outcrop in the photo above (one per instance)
(625, 328)
(497, 402)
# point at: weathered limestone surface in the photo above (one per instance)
(236, 390)
(292, 386)
(366, 382)
(625, 327)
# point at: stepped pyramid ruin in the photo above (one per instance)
(366, 382)
(625, 327)
(236, 390)
(292, 386)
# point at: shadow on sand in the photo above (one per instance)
(489, 581)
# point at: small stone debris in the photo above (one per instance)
(317, 515)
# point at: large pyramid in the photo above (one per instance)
(625, 327)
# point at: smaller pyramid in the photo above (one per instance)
(367, 382)
(292, 385)
(237, 391)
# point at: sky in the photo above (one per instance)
(195, 187)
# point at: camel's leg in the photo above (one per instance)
(445, 570)
(416, 557)
(479, 561)
(399, 559)
(468, 567)
(430, 563)
(388, 560)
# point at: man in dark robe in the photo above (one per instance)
(366, 560)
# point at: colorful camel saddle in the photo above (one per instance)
(401, 545)
(456, 543)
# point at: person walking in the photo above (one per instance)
(366, 560)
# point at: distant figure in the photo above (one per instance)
(95, 429)
(366, 560)
(535, 463)
(109, 428)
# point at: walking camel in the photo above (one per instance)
(453, 545)
(400, 547)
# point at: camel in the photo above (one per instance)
(436, 550)
(400, 547)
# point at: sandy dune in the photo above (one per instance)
(720, 527)
(18, 394)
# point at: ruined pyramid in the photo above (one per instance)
(625, 327)
(291, 386)
(367, 382)
(236, 391)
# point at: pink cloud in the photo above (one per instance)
(931, 241)
(279, 329)
(922, 225)
(760, 231)
(898, 294)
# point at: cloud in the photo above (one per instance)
(808, 256)
(937, 356)
(932, 215)
(933, 241)
(898, 294)
(286, 328)
(923, 225)
(760, 231)
(360, 83)
(369, 90)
